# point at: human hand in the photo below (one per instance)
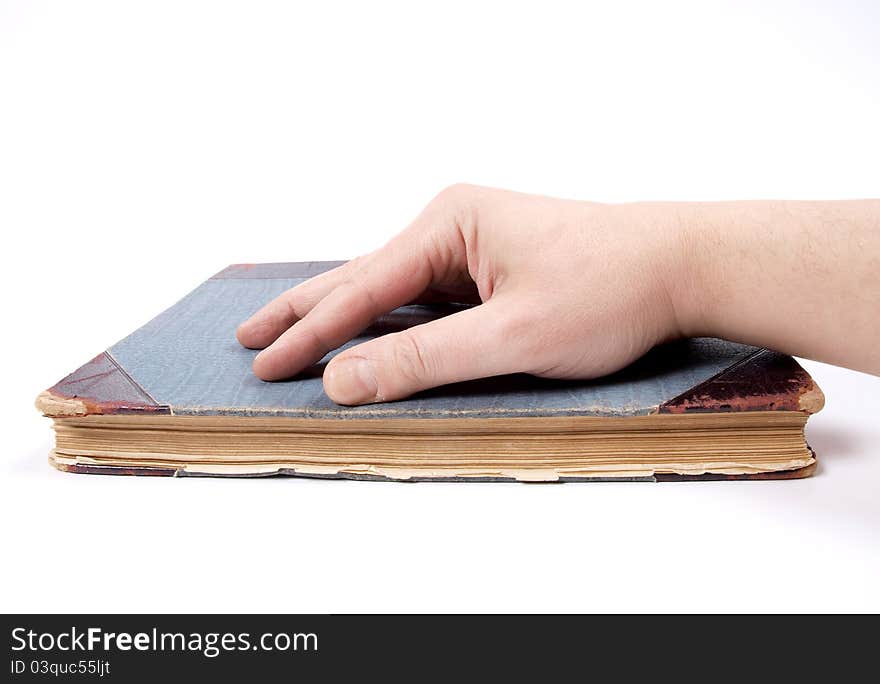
(566, 289)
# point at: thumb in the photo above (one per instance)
(473, 343)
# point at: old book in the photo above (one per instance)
(178, 397)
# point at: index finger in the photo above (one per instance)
(268, 323)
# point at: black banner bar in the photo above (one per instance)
(266, 648)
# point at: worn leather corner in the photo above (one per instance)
(763, 381)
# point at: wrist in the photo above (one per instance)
(684, 254)
(691, 291)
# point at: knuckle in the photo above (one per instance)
(457, 191)
(409, 357)
(288, 303)
(356, 268)
(295, 303)
(460, 202)
(314, 340)
(457, 196)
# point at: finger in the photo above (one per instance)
(267, 324)
(470, 344)
(392, 278)
(438, 224)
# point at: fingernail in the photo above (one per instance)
(259, 369)
(351, 381)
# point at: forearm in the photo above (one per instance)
(799, 277)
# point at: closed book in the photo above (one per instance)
(178, 397)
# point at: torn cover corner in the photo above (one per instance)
(99, 387)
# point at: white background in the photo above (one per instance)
(143, 146)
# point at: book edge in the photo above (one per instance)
(294, 269)
(160, 471)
